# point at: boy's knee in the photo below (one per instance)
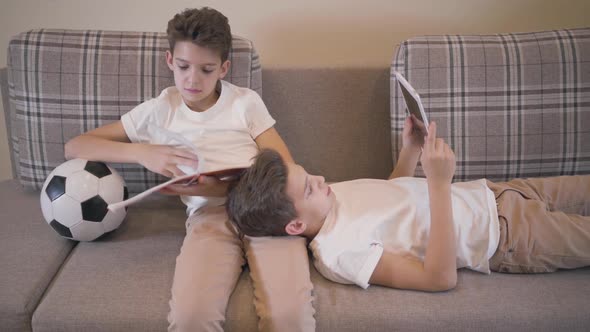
(195, 318)
(291, 316)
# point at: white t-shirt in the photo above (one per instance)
(223, 136)
(371, 215)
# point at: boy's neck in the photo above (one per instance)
(208, 102)
(313, 229)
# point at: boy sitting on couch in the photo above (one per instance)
(227, 124)
(414, 233)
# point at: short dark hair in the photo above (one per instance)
(257, 204)
(205, 27)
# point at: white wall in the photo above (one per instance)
(305, 33)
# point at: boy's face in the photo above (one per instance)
(311, 196)
(196, 72)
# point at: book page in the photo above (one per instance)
(223, 175)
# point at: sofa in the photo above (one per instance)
(511, 105)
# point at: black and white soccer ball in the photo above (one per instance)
(75, 197)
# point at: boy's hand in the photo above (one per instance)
(438, 159)
(163, 159)
(413, 133)
(205, 185)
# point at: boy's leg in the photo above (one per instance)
(279, 268)
(207, 269)
(544, 224)
(569, 194)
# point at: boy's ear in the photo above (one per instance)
(169, 60)
(295, 227)
(224, 69)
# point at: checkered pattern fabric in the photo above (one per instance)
(510, 105)
(65, 82)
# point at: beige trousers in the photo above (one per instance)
(208, 267)
(544, 224)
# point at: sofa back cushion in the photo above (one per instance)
(65, 82)
(510, 105)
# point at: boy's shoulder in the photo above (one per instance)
(240, 97)
(168, 99)
(169, 93)
(238, 91)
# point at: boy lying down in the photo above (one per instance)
(414, 233)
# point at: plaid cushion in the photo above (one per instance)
(510, 105)
(65, 82)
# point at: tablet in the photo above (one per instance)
(413, 103)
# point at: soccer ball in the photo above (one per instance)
(75, 196)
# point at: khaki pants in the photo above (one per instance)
(208, 267)
(544, 224)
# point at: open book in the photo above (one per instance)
(223, 175)
(160, 135)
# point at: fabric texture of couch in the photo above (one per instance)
(511, 105)
(337, 122)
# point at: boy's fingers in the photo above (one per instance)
(186, 154)
(207, 179)
(176, 171)
(431, 138)
(432, 129)
(186, 162)
(179, 189)
(449, 150)
(419, 124)
(449, 153)
(407, 125)
(440, 144)
(412, 120)
(179, 152)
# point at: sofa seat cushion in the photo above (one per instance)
(31, 253)
(122, 281)
(498, 302)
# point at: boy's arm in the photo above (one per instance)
(270, 139)
(101, 143)
(412, 141)
(405, 272)
(438, 272)
(406, 163)
(110, 143)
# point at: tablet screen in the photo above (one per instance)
(411, 103)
